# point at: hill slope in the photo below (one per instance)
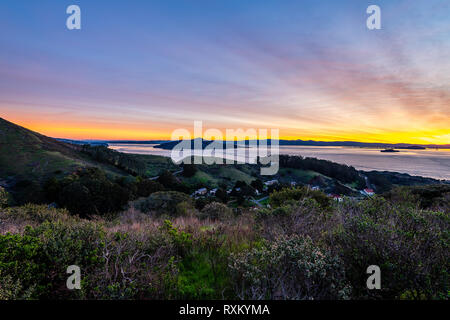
(28, 155)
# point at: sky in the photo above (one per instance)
(312, 69)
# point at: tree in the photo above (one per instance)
(167, 179)
(258, 185)
(216, 211)
(145, 187)
(222, 195)
(189, 170)
(87, 192)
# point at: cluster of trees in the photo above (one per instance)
(383, 181)
(341, 172)
(89, 191)
(127, 163)
(284, 196)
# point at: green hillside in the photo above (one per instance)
(28, 160)
(27, 155)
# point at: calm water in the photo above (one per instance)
(427, 163)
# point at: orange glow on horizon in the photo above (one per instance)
(121, 132)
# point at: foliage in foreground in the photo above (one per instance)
(300, 249)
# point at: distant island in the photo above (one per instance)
(389, 150)
(170, 144)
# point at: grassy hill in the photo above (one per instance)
(28, 155)
(29, 159)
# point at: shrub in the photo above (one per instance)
(136, 266)
(145, 187)
(411, 246)
(37, 214)
(435, 197)
(11, 289)
(21, 261)
(289, 268)
(203, 272)
(172, 203)
(4, 198)
(279, 198)
(216, 211)
(65, 244)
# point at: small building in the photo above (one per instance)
(213, 192)
(367, 192)
(293, 183)
(337, 197)
(200, 192)
(315, 188)
(271, 182)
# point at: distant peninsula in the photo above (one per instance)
(169, 145)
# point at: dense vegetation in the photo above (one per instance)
(304, 247)
(133, 164)
(340, 172)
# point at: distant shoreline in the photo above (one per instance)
(167, 144)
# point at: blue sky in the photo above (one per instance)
(141, 69)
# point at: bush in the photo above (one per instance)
(4, 198)
(113, 265)
(37, 214)
(65, 244)
(411, 246)
(22, 261)
(11, 289)
(216, 211)
(435, 197)
(172, 203)
(145, 187)
(136, 266)
(279, 198)
(289, 268)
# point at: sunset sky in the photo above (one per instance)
(311, 68)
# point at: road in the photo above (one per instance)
(174, 173)
(257, 202)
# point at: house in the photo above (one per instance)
(367, 192)
(200, 192)
(337, 197)
(271, 182)
(293, 183)
(213, 192)
(315, 188)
